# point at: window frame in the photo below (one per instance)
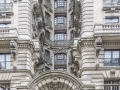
(47, 34)
(111, 59)
(111, 20)
(47, 52)
(60, 20)
(5, 1)
(5, 61)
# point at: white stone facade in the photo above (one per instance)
(59, 44)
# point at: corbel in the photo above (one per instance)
(112, 73)
(98, 44)
(13, 47)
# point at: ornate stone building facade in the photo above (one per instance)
(59, 45)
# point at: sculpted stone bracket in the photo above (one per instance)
(98, 44)
(112, 73)
(14, 48)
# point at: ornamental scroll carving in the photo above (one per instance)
(98, 44)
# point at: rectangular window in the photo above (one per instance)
(4, 1)
(60, 56)
(112, 2)
(111, 85)
(5, 25)
(61, 3)
(112, 20)
(60, 20)
(47, 53)
(5, 62)
(47, 15)
(72, 34)
(47, 34)
(61, 36)
(112, 58)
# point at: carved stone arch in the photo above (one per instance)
(63, 81)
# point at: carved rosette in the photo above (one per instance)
(98, 44)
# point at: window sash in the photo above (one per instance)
(4, 1)
(5, 62)
(112, 58)
(112, 20)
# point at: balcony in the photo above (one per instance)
(107, 30)
(60, 43)
(5, 7)
(111, 4)
(61, 10)
(48, 5)
(60, 62)
(8, 33)
(61, 27)
(47, 22)
(71, 4)
(47, 59)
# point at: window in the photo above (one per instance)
(112, 20)
(72, 34)
(111, 2)
(60, 56)
(5, 62)
(112, 58)
(47, 15)
(61, 3)
(47, 53)
(72, 16)
(47, 34)
(111, 85)
(60, 20)
(60, 36)
(5, 25)
(4, 1)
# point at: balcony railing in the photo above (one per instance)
(71, 22)
(48, 4)
(61, 10)
(107, 30)
(59, 43)
(109, 3)
(5, 7)
(71, 4)
(47, 59)
(60, 62)
(10, 32)
(60, 27)
(107, 27)
(47, 21)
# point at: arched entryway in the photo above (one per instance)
(55, 80)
